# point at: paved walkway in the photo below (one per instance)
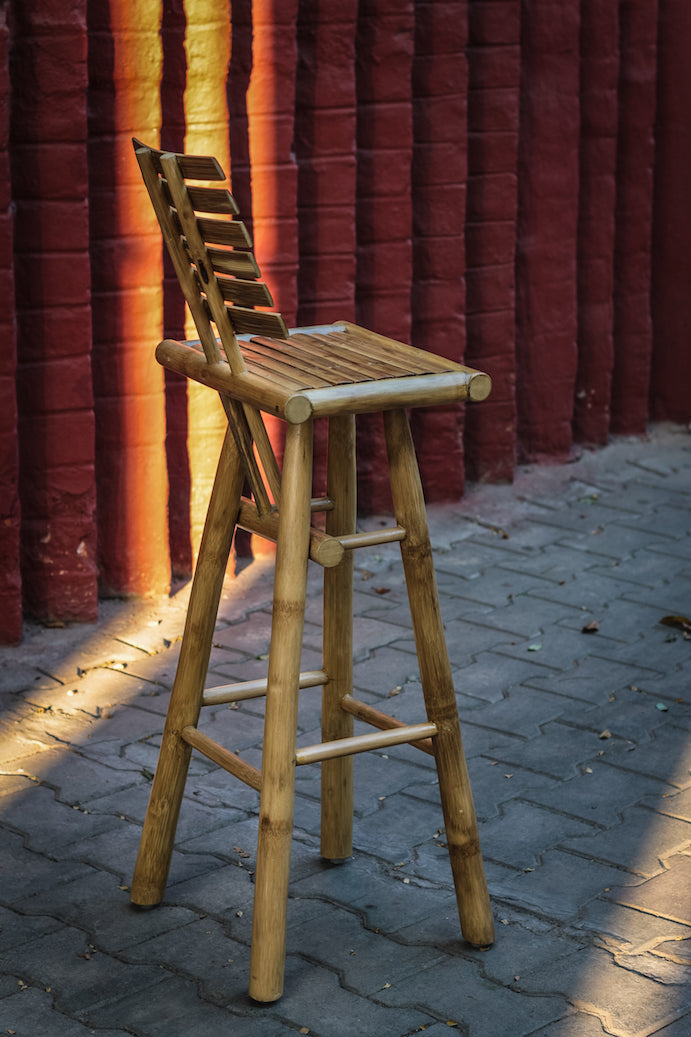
(575, 702)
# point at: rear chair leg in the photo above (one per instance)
(158, 835)
(337, 774)
(280, 727)
(435, 671)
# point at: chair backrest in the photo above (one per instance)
(220, 279)
(213, 257)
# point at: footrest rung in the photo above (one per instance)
(351, 541)
(325, 550)
(383, 721)
(364, 743)
(255, 689)
(230, 762)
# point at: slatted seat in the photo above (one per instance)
(258, 366)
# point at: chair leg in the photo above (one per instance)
(156, 846)
(280, 727)
(435, 671)
(337, 774)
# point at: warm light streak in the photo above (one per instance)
(133, 479)
(207, 47)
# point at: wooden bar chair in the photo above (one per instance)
(246, 353)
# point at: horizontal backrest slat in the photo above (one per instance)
(257, 322)
(192, 167)
(224, 232)
(240, 264)
(212, 199)
(245, 293)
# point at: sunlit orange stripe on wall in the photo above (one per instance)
(132, 479)
(270, 111)
(207, 48)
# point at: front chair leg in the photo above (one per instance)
(280, 727)
(440, 699)
(158, 834)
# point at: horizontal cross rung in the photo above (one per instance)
(325, 550)
(371, 538)
(255, 689)
(230, 762)
(370, 715)
(364, 743)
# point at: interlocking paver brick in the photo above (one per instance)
(456, 991)
(665, 894)
(561, 885)
(626, 1002)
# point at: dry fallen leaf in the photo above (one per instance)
(606, 733)
(681, 623)
(591, 628)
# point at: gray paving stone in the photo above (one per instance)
(561, 886)
(626, 1002)
(557, 752)
(78, 975)
(679, 1028)
(47, 825)
(575, 1024)
(16, 928)
(26, 873)
(666, 756)
(640, 843)
(599, 793)
(593, 678)
(456, 992)
(174, 1005)
(619, 928)
(490, 675)
(31, 1013)
(665, 894)
(524, 833)
(628, 713)
(365, 960)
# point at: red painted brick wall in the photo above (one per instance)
(546, 310)
(633, 328)
(500, 180)
(53, 310)
(10, 577)
(494, 56)
(599, 51)
(385, 46)
(439, 175)
(670, 375)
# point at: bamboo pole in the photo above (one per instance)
(337, 774)
(278, 765)
(343, 748)
(435, 671)
(158, 834)
(230, 762)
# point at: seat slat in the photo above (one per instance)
(395, 359)
(268, 361)
(332, 369)
(377, 345)
(359, 361)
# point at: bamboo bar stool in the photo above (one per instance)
(247, 354)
